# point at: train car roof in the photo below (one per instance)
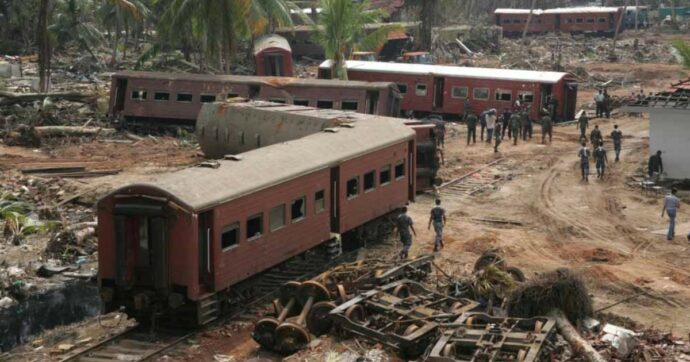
(277, 82)
(578, 10)
(271, 41)
(453, 71)
(200, 188)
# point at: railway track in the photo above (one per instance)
(475, 181)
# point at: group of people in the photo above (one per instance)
(603, 102)
(514, 123)
(598, 152)
(405, 227)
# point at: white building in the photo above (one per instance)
(669, 128)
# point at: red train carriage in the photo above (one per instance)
(176, 98)
(273, 56)
(445, 89)
(182, 240)
(601, 20)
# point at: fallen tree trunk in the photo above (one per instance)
(9, 98)
(71, 131)
(580, 345)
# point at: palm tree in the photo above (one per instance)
(118, 16)
(342, 29)
(71, 24)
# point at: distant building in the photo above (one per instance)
(669, 127)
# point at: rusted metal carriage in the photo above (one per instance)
(273, 56)
(595, 20)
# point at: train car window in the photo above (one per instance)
(385, 175)
(324, 104)
(349, 105)
(400, 169)
(230, 236)
(579, 20)
(369, 181)
(207, 98)
(319, 201)
(420, 89)
(184, 97)
(526, 97)
(161, 96)
(506, 21)
(504, 95)
(590, 20)
(480, 93)
(276, 218)
(402, 87)
(352, 187)
(277, 100)
(255, 226)
(139, 94)
(460, 92)
(538, 21)
(233, 95)
(569, 21)
(297, 209)
(301, 102)
(517, 21)
(602, 20)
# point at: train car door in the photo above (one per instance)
(335, 202)
(546, 91)
(569, 103)
(274, 65)
(120, 95)
(557, 24)
(411, 171)
(372, 102)
(205, 250)
(438, 92)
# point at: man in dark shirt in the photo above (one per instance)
(655, 166)
(546, 128)
(471, 128)
(438, 218)
(617, 137)
(584, 155)
(601, 160)
(404, 224)
(595, 137)
(506, 122)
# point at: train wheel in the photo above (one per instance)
(342, 293)
(289, 290)
(312, 288)
(489, 258)
(291, 337)
(410, 329)
(264, 332)
(401, 291)
(522, 354)
(277, 306)
(516, 274)
(538, 326)
(318, 320)
(456, 307)
(448, 350)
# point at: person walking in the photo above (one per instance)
(515, 127)
(440, 133)
(471, 128)
(546, 128)
(607, 104)
(526, 125)
(582, 123)
(655, 166)
(404, 224)
(584, 155)
(599, 100)
(438, 219)
(497, 137)
(671, 206)
(482, 124)
(601, 160)
(490, 125)
(506, 122)
(617, 137)
(595, 137)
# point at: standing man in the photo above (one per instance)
(506, 121)
(526, 125)
(607, 104)
(546, 128)
(438, 218)
(671, 206)
(617, 137)
(404, 225)
(601, 160)
(583, 122)
(595, 137)
(584, 161)
(467, 109)
(490, 125)
(440, 133)
(482, 124)
(515, 127)
(553, 107)
(599, 100)
(471, 127)
(655, 166)
(497, 137)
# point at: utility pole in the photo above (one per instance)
(637, 12)
(613, 56)
(529, 19)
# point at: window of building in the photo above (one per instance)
(319, 201)
(324, 104)
(233, 95)
(590, 20)
(352, 187)
(400, 169)
(504, 95)
(207, 98)
(459, 92)
(579, 20)
(161, 96)
(255, 226)
(369, 181)
(297, 209)
(276, 217)
(402, 87)
(230, 236)
(420, 89)
(184, 97)
(526, 97)
(349, 105)
(385, 175)
(139, 94)
(481, 93)
(277, 100)
(301, 102)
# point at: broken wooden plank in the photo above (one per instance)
(44, 170)
(73, 131)
(9, 98)
(498, 221)
(95, 173)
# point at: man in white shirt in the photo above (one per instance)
(599, 100)
(490, 124)
(671, 206)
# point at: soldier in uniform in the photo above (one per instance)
(595, 137)
(440, 133)
(526, 125)
(471, 128)
(404, 224)
(584, 155)
(601, 160)
(506, 122)
(546, 127)
(617, 137)
(515, 127)
(582, 123)
(438, 219)
(497, 137)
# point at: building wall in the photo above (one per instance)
(669, 131)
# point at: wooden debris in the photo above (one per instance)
(45, 170)
(9, 98)
(498, 221)
(570, 334)
(71, 131)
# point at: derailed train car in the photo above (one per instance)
(577, 20)
(182, 241)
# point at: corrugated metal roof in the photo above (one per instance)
(200, 188)
(678, 97)
(453, 71)
(580, 10)
(272, 81)
(270, 41)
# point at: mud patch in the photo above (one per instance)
(600, 255)
(480, 244)
(601, 273)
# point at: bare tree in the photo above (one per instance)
(618, 28)
(529, 19)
